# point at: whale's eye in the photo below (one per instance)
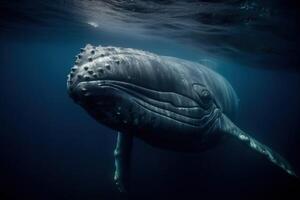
(203, 94)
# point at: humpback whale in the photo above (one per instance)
(169, 103)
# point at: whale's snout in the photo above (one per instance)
(91, 64)
(93, 94)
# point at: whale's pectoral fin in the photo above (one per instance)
(228, 127)
(122, 155)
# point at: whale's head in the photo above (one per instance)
(129, 89)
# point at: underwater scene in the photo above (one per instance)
(149, 99)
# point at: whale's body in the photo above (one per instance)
(167, 102)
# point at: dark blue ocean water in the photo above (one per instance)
(51, 149)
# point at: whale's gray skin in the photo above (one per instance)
(167, 102)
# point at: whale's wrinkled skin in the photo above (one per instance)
(167, 102)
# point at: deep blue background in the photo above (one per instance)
(51, 149)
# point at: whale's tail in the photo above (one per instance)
(228, 127)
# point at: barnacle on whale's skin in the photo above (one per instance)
(168, 102)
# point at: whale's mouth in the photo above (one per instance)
(165, 104)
